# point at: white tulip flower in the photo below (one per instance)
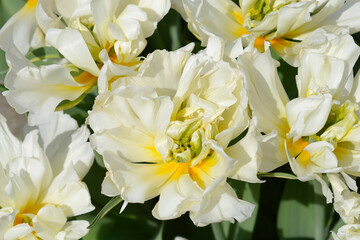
(96, 38)
(19, 30)
(347, 205)
(347, 232)
(41, 181)
(168, 137)
(285, 24)
(346, 202)
(316, 132)
(119, 29)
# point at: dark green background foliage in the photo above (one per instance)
(285, 209)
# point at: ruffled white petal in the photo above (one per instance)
(66, 144)
(69, 193)
(10, 146)
(177, 197)
(201, 14)
(248, 154)
(70, 43)
(307, 116)
(20, 231)
(19, 30)
(267, 96)
(348, 232)
(39, 91)
(346, 16)
(49, 221)
(220, 203)
(73, 230)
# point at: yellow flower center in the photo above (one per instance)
(188, 154)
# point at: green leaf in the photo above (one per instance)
(94, 179)
(65, 105)
(110, 205)
(338, 224)
(9, 8)
(98, 231)
(43, 56)
(99, 159)
(287, 75)
(168, 34)
(3, 66)
(278, 175)
(184, 227)
(303, 212)
(2, 88)
(80, 111)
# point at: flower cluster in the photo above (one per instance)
(177, 125)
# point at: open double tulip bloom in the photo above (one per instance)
(283, 23)
(41, 183)
(166, 133)
(316, 132)
(97, 40)
(347, 205)
(348, 232)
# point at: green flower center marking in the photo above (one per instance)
(263, 7)
(260, 10)
(189, 144)
(189, 138)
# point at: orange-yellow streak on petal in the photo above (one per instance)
(238, 16)
(132, 63)
(259, 44)
(240, 19)
(241, 31)
(83, 88)
(88, 80)
(31, 4)
(303, 159)
(195, 174)
(278, 44)
(204, 167)
(113, 80)
(206, 164)
(296, 147)
(21, 217)
(175, 170)
(84, 78)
